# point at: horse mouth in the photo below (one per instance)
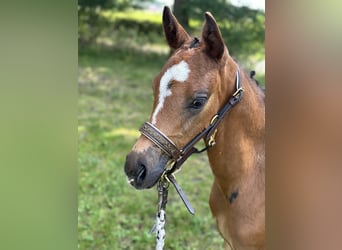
(148, 181)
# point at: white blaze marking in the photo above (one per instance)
(178, 72)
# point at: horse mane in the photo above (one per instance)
(251, 75)
(195, 42)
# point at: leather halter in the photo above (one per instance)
(179, 156)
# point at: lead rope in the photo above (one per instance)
(162, 187)
(159, 226)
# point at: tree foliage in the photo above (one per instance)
(242, 28)
(90, 22)
(104, 4)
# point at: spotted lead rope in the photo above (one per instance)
(159, 226)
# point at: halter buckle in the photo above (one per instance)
(212, 141)
(238, 91)
(214, 119)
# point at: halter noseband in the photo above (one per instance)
(179, 156)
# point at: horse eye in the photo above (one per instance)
(198, 102)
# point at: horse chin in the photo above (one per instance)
(152, 183)
(155, 177)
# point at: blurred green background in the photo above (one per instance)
(121, 49)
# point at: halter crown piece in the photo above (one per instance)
(179, 156)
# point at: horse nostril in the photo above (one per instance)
(141, 174)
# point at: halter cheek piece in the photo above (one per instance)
(179, 156)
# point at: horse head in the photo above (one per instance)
(190, 89)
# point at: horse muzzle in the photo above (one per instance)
(144, 169)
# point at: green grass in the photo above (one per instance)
(115, 98)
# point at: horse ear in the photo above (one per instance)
(174, 32)
(212, 37)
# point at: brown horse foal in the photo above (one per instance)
(195, 83)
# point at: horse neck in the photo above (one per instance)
(240, 137)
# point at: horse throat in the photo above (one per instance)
(239, 150)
